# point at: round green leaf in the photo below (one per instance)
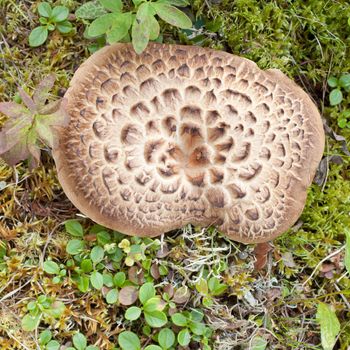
(179, 319)
(335, 97)
(172, 15)
(45, 337)
(166, 338)
(97, 254)
(153, 347)
(92, 347)
(59, 14)
(53, 345)
(197, 328)
(96, 280)
(342, 122)
(184, 337)
(154, 304)
(129, 341)
(119, 279)
(86, 265)
(64, 27)
(332, 81)
(38, 36)
(75, 246)
(108, 279)
(44, 9)
(132, 313)
(147, 291)
(74, 228)
(344, 81)
(112, 296)
(79, 341)
(51, 267)
(30, 322)
(156, 319)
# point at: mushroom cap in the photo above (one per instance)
(183, 134)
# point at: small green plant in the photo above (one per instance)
(79, 342)
(46, 342)
(329, 323)
(31, 125)
(152, 307)
(336, 98)
(140, 24)
(209, 289)
(51, 19)
(42, 308)
(337, 85)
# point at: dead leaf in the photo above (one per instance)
(128, 295)
(288, 260)
(181, 295)
(261, 251)
(155, 271)
(136, 275)
(169, 289)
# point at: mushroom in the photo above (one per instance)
(181, 135)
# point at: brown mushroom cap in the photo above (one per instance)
(181, 135)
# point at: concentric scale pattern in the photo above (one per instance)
(183, 135)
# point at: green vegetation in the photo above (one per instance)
(139, 24)
(67, 282)
(51, 19)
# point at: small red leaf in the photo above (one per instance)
(41, 93)
(128, 295)
(27, 100)
(12, 109)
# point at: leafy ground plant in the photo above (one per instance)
(31, 124)
(51, 19)
(140, 24)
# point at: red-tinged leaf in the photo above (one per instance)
(59, 117)
(12, 133)
(45, 133)
(27, 100)
(50, 108)
(128, 295)
(12, 109)
(17, 153)
(41, 92)
(34, 150)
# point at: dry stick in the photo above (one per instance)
(321, 262)
(8, 295)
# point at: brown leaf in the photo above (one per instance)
(136, 275)
(12, 109)
(163, 251)
(181, 295)
(27, 100)
(155, 271)
(288, 260)
(41, 92)
(169, 289)
(128, 295)
(261, 251)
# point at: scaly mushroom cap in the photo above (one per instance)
(181, 135)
